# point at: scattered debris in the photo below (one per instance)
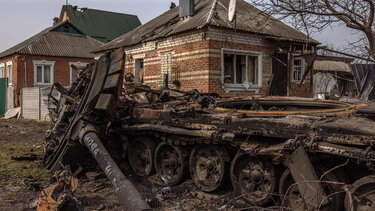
(15, 188)
(153, 202)
(60, 194)
(92, 176)
(165, 191)
(100, 185)
(13, 113)
(203, 195)
(35, 185)
(26, 157)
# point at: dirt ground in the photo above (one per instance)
(17, 178)
(22, 176)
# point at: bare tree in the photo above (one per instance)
(315, 15)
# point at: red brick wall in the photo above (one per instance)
(15, 76)
(301, 90)
(188, 60)
(61, 68)
(25, 62)
(196, 61)
(14, 60)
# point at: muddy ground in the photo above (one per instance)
(22, 176)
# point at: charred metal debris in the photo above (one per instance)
(59, 195)
(275, 151)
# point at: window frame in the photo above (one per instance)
(141, 66)
(52, 74)
(302, 69)
(79, 64)
(9, 73)
(240, 87)
(135, 58)
(2, 70)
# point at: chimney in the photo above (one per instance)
(55, 20)
(173, 5)
(186, 8)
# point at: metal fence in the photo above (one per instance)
(3, 96)
(6, 96)
(364, 75)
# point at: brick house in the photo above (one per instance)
(45, 58)
(199, 48)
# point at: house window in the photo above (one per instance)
(298, 69)
(43, 72)
(73, 72)
(242, 69)
(2, 72)
(9, 67)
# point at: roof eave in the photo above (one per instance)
(101, 49)
(7, 55)
(266, 36)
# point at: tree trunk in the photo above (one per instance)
(371, 40)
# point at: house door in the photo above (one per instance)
(3, 92)
(279, 83)
(138, 71)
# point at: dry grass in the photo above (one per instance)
(17, 138)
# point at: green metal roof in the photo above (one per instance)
(62, 40)
(101, 25)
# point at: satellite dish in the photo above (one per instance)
(232, 10)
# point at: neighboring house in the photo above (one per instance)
(332, 76)
(45, 58)
(101, 25)
(199, 48)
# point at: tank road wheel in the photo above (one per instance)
(290, 198)
(171, 161)
(207, 166)
(253, 179)
(363, 195)
(294, 201)
(140, 155)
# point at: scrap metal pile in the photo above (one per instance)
(288, 153)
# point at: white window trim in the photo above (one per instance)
(240, 87)
(302, 70)
(139, 56)
(44, 62)
(2, 65)
(79, 64)
(10, 81)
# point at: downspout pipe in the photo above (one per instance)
(128, 194)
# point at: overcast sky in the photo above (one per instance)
(21, 19)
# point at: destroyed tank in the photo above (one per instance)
(288, 153)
